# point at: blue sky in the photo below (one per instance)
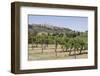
(73, 22)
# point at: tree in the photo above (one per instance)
(66, 43)
(71, 45)
(82, 44)
(41, 41)
(76, 45)
(56, 43)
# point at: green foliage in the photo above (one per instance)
(62, 36)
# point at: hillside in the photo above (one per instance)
(37, 28)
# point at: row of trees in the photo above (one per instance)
(75, 43)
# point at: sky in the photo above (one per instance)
(72, 22)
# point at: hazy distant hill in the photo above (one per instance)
(48, 29)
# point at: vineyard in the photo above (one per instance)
(54, 43)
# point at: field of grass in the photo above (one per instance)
(49, 53)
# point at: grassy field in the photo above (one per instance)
(49, 53)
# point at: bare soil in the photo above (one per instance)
(49, 53)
